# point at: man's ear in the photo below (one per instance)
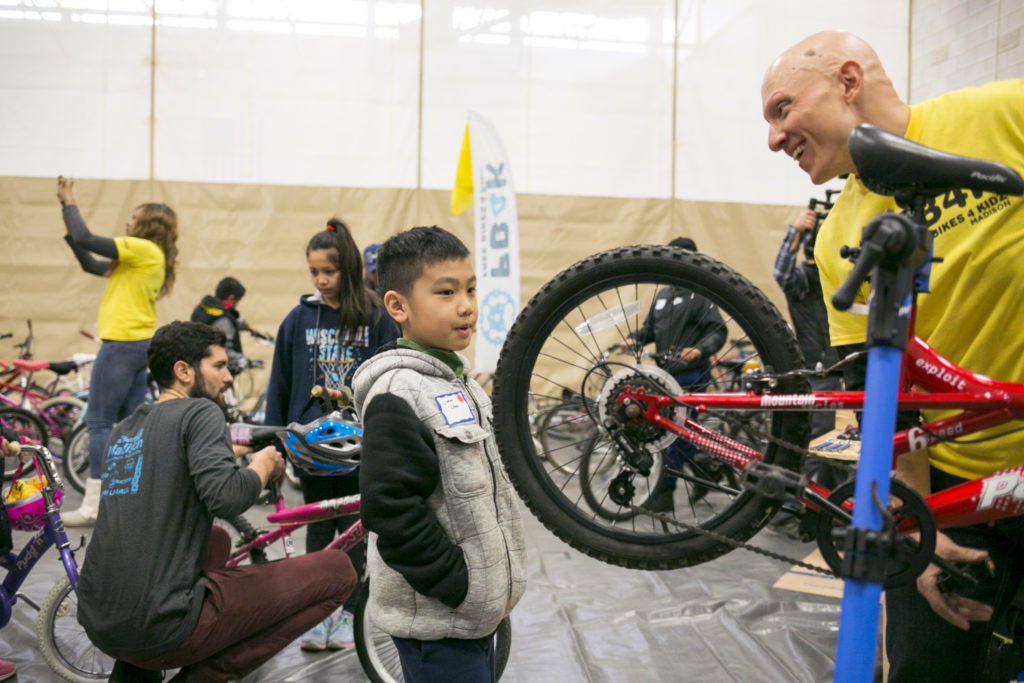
(183, 373)
(397, 306)
(851, 75)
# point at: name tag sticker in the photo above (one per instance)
(455, 408)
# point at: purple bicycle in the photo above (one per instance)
(36, 508)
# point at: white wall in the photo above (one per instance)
(722, 147)
(960, 43)
(327, 92)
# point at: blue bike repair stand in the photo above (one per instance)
(858, 618)
(893, 248)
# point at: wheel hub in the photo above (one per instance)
(649, 379)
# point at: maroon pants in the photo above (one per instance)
(251, 613)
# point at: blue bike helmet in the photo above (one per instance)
(325, 447)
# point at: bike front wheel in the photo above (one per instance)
(74, 462)
(65, 646)
(593, 495)
(379, 657)
(29, 427)
(62, 414)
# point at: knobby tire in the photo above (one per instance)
(554, 350)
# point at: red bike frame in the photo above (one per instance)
(939, 384)
(23, 370)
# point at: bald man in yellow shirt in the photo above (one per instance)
(813, 95)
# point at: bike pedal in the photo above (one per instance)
(773, 482)
(963, 578)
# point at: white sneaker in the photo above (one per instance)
(342, 634)
(315, 639)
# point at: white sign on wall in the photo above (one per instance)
(485, 178)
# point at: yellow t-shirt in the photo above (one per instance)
(128, 309)
(974, 314)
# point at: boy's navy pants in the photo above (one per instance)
(447, 660)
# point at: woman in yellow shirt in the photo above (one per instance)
(140, 266)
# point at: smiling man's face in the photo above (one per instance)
(813, 95)
(809, 118)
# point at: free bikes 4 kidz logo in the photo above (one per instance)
(1003, 491)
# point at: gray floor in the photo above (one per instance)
(582, 620)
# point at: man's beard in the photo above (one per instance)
(198, 390)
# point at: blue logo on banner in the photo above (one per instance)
(496, 316)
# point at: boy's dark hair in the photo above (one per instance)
(229, 286)
(176, 341)
(402, 257)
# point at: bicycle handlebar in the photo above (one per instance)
(256, 436)
(43, 457)
(245, 326)
(341, 398)
(891, 238)
(870, 256)
(90, 335)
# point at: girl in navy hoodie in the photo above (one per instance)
(322, 341)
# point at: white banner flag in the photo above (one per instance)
(496, 230)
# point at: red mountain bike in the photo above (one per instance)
(598, 497)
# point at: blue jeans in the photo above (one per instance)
(680, 451)
(116, 389)
(446, 660)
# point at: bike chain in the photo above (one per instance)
(803, 452)
(665, 519)
(782, 443)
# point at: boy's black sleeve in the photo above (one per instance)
(397, 473)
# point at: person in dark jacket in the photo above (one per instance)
(323, 341)
(221, 311)
(370, 262)
(687, 330)
(801, 284)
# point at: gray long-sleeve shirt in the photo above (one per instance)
(84, 244)
(169, 470)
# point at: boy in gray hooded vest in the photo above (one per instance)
(446, 555)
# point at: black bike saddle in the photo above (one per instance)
(892, 165)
